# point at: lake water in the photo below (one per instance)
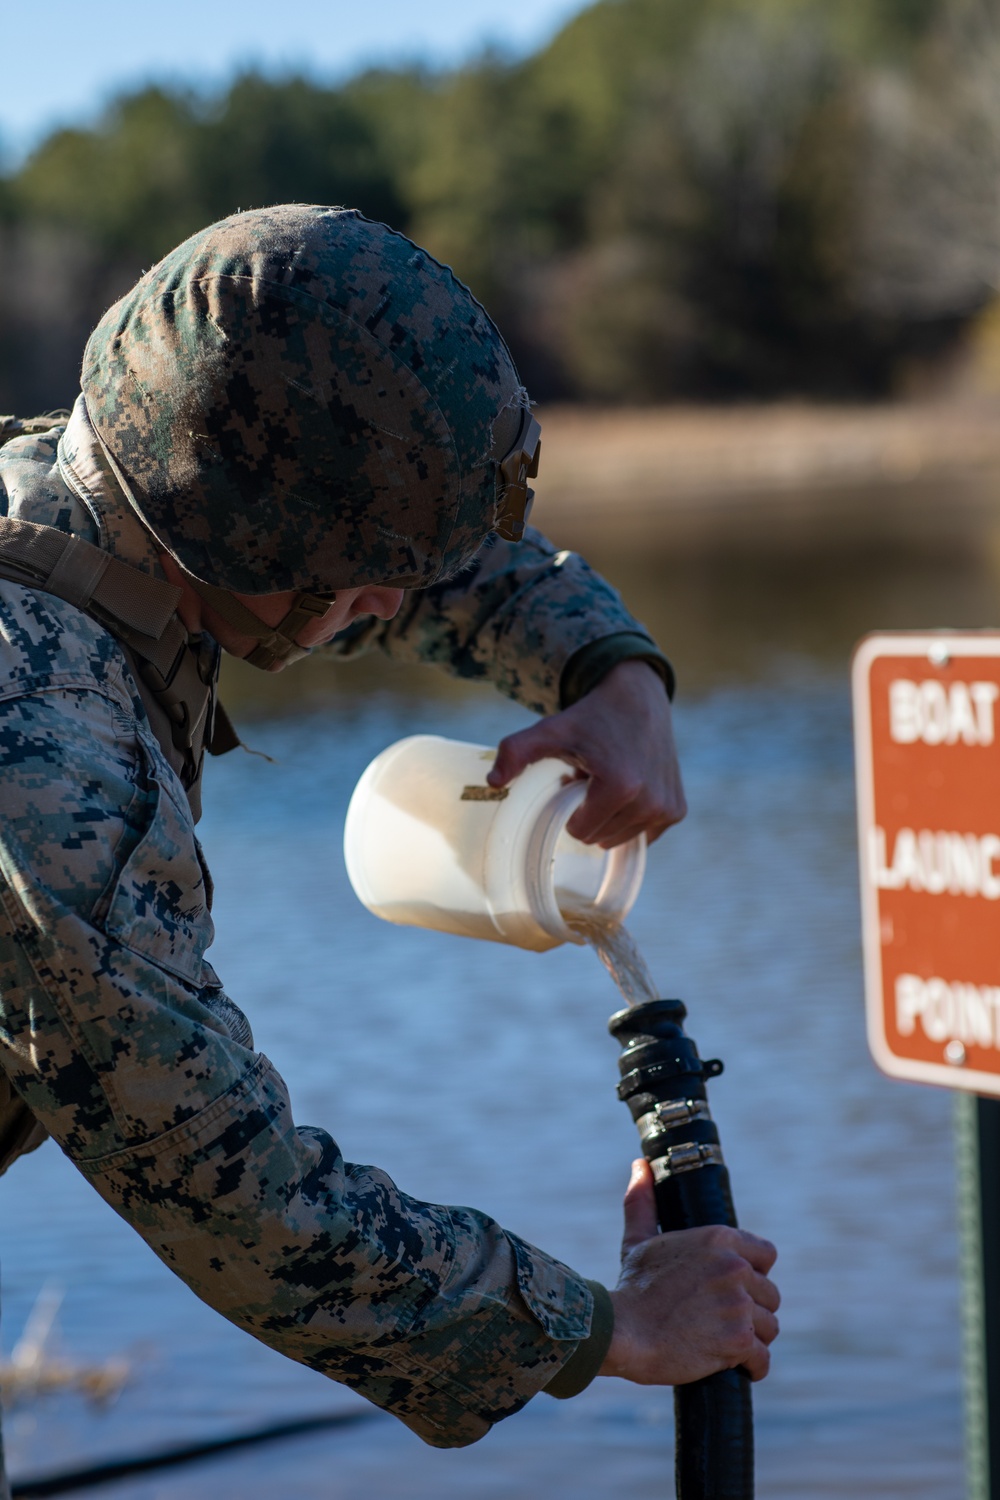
(503, 1081)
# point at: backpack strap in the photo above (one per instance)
(12, 427)
(140, 611)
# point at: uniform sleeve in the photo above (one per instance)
(518, 615)
(118, 1037)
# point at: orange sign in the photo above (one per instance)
(927, 749)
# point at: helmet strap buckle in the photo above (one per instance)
(517, 466)
(275, 643)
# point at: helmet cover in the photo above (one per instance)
(300, 398)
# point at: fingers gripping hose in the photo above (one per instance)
(663, 1083)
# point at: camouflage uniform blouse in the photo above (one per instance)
(119, 1038)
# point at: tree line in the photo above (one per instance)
(730, 199)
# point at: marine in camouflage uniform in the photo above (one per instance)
(306, 353)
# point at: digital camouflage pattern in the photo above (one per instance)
(516, 617)
(300, 398)
(117, 1034)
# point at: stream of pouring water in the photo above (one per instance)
(616, 948)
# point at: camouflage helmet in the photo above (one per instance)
(298, 398)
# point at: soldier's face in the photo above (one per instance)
(349, 604)
(374, 599)
(370, 599)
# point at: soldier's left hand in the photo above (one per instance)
(620, 736)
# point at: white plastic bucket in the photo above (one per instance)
(428, 844)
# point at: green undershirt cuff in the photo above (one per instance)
(588, 666)
(588, 1357)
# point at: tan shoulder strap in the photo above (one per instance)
(140, 608)
(12, 427)
(140, 611)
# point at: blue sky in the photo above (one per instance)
(62, 61)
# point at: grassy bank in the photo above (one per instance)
(779, 476)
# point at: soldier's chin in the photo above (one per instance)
(276, 666)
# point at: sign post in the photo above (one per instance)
(978, 1139)
(927, 752)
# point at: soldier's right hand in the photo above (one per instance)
(690, 1302)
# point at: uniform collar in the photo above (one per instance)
(84, 467)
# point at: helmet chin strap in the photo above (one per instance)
(275, 643)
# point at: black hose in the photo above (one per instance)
(70, 1481)
(663, 1083)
